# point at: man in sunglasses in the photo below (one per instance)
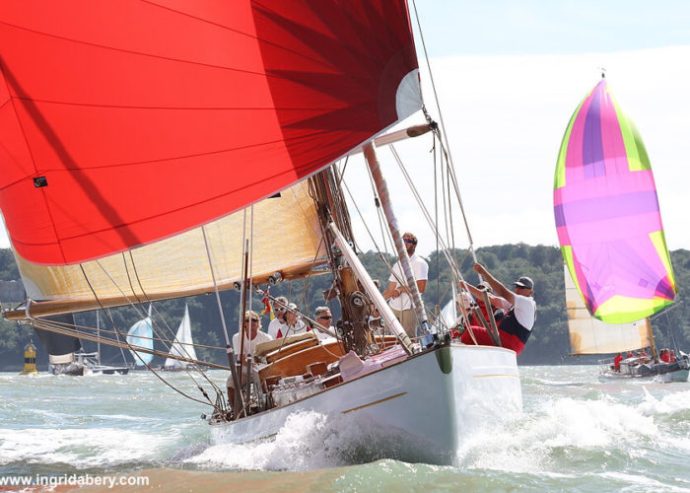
(279, 325)
(397, 292)
(253, 336)
(324, 318)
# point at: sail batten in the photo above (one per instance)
(607, 215)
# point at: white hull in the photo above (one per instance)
(414, 411)
(674, 376)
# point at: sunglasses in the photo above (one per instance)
(251, 320)
(327, 317)
(407, 240)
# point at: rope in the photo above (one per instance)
(444, 140)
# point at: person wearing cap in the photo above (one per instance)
(278, 327)
(398, 295)
(520, 309)
(253, 335)
(295, 324)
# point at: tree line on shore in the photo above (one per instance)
(544, 264)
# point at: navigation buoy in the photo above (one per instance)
(29, 360)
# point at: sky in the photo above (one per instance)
(509, 75)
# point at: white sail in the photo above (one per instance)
(182, 345)
(589, 335)
(141, 334)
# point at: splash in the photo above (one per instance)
(308, 440)
(538, 442)
(81, 448)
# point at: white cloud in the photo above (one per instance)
(506, 115)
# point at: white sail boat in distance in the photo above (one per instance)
(140, 341)
(151, 167)
(182, 346)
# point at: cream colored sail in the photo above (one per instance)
(286, 238)
(591, 336)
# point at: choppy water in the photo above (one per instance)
(576, 434)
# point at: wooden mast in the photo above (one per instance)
(356, 308)
(384, 196)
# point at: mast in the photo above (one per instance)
(382, 189)
(347, 285)
(98, 335)
(652, 341)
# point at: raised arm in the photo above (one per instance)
(495, 284)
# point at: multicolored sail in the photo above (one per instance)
(607, 214)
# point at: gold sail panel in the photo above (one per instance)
(286, 237)
(589, 335)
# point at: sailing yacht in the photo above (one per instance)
(182, 346)
(618, 269)
(589, 335)
(211, 157)
(140, 336)
(92, 361)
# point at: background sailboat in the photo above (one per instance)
(610, 231)
(140, 336)
(183, 345)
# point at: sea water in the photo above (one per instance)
(575, 434)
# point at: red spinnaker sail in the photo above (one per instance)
(125, 122)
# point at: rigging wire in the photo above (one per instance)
(88, 282)
(160, 317)
(444, 248)
(443, 136)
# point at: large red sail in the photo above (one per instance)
(125, 122)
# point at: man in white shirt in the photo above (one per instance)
(278, 327)
(324, 318)
(397, 292)
(251, 328)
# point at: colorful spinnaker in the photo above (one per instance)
(607, 214)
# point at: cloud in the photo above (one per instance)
(505, 118)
